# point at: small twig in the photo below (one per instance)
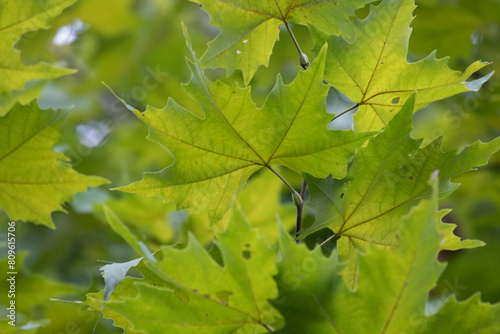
(345, 111)
(300, 209)
(304, 61)
(297, 200)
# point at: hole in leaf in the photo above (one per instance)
(247, 254)
(395, 100)
(410, 177)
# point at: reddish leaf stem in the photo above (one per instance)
(345, 111)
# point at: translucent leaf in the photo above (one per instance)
(188, 291)
(215, 155)
(393, 288)
(449, 241)
(16, 20)
(373, 71)
(249, 29)
(385, 179)
(35, 180)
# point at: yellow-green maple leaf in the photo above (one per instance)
(187, 291)
(393, 289)
(373, 70)
(16, 20)
(35, 180)
(385, 179)
(215, 155)
(249, 28)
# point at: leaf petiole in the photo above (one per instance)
(345, 111)
(297, 199)
(304, 61)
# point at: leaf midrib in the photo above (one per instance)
(202, 77)
(35, 133)
(403, 288)
(381, 51)
(373, 178)
(190, 182)
(294, 117)
(60, 6)
(321, 150)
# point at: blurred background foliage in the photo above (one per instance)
(137, 48)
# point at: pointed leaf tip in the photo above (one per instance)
(128, 106)
(189, 44)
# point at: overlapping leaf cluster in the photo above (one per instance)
(215, 155)
(370, 186)
(34, 179)
(249, 29)
(378, 280)
(15, 21)
(189, 291)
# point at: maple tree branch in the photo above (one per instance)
(297, 199)
(345, 111)
(300, 209)
(304, 61)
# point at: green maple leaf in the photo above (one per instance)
(260, 202)
(392, 293)
(215, 155)
(306, 283)
(35, 180)
(189, 292)
(374, 73)
(386, 178)
(16, 20)
(249, 29)
(449, 241)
